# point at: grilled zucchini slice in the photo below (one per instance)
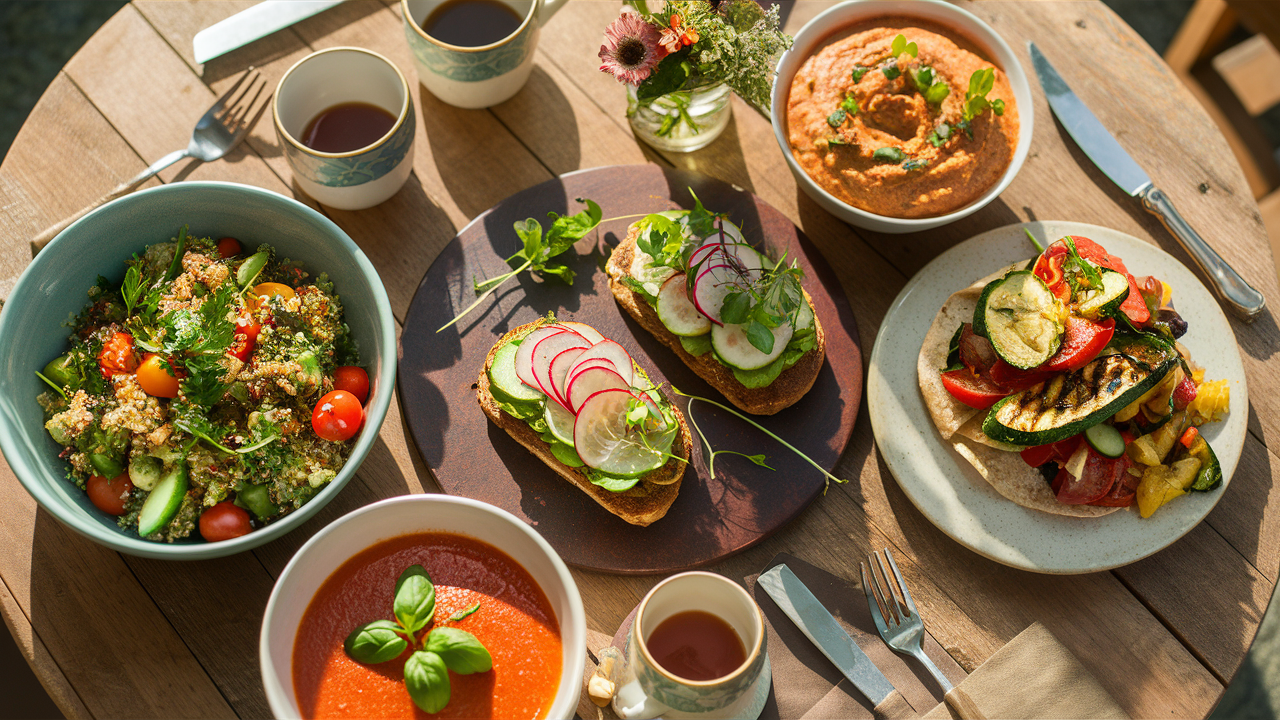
(1104, 302)
(1074, 401)
(1021, 318)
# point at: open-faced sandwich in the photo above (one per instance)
(1063, 382)
(579, 403)
(740, 320)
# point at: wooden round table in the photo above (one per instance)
(110, 635)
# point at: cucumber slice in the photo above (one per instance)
(163, 502)
(560, 423)
(1099, 303)
(503, 378)
(732, 346)
(1106, 440)
(677, 313)
(145, 471)
(604, 442)
(1021, 318)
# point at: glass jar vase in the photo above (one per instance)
(682, 121)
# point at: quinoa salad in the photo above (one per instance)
(212, 392)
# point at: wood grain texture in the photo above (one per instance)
(1162, 635)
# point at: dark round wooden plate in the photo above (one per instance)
(711, 518)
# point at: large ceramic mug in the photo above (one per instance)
(476, 77)
(648, 690)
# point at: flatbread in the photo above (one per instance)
(961, 425)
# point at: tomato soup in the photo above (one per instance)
(515, 623)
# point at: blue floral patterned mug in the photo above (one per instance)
(647, 690)
(363, 177)
(476, 77)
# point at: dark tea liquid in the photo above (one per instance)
(696, 645)
(471, 23)
(346, 127)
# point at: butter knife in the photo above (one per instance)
(257, 22)
(798, 603)
(1101, 147)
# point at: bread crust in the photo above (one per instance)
(643, 504)
(790, 385)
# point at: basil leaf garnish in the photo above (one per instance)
(889, 154)
(415, 600)
(427, 680)
(375, 642)
(460, 650)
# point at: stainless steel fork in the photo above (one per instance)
(901, 627)
(219, 130)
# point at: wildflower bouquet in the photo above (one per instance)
(691, 45)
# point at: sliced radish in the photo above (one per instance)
(603, 441)
(586, 331)
(578, 367)
(712, 286)
(705, 252)
(614, 353)
(559, 372)
(677, 313)
(591, 381)
(546, 350)
(524, 354)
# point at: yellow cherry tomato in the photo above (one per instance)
(155, 380)
(271, 289)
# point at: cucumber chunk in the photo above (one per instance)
(145, 471)
(1106, 440)
(503, 378)
(1021, 318)
(163, 502)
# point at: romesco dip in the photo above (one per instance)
(900, 120)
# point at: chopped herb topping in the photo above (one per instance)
(836, 118)
(940, 135)
(859, 71)
(975, 100)
(849, 104)
(889, 154)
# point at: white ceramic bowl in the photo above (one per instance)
(818, 30)
(356, 531)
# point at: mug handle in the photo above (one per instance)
(630, 702)
(547, 8)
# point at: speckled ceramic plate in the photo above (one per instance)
(953, 496)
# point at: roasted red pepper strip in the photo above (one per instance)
(118, 356)
(1083, 340)
(973, 390)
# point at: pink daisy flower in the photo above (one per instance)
(631, 50)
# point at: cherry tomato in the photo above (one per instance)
(224, 521)
(352, 379)
(271, 289)
(228, 247)
(247, 325)
(155, 379)
(117, 356)
(1083, 340)
(245, 336)
(973, 390)
(337, 416)
(1184, 393)
(109, 496)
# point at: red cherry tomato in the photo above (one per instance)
(1184, 393)
(352, 379)
(973, 390)
(117, 356)
(155, 379)
(1083, 340)
(337, 416)
(245, 336)
(228, 247)
(109, 496)
(224, 521)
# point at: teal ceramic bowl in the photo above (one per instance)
(54, 286)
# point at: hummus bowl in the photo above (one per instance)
(872, 184)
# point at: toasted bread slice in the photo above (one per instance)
(790, 385)
(648, 501)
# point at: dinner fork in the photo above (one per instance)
(219, 130)
(902, 629)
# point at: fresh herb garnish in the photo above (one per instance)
(837, 117)
(849, 104)
(981, 82)
(900, 46)
(538, 250)
(464, 613)
(764, 304)
(890, 69)
(933, 89)
(859, 71)
(1080, 273)
(1034, 241)
(889, 154)
(176, 264)
(439, 650)
(940, 135)
(915, 164)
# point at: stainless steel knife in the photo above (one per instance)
(257, 22)
(1101, 147)
(817, 624)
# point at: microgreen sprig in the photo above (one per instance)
(538, 250)
(981, 82)
(435, 653)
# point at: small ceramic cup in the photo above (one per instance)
(476, 77)
(363, 177)
(647, 690)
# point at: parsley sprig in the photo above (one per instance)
(538, 250)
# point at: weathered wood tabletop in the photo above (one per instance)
(111, 635)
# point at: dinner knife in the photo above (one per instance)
(817, 624)
(257, 22)
(1101, 147)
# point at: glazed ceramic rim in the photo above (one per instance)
(404, 106)
(986, 37)
(375, 411)
(528, 16)
(754, 653)
(576, 618)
